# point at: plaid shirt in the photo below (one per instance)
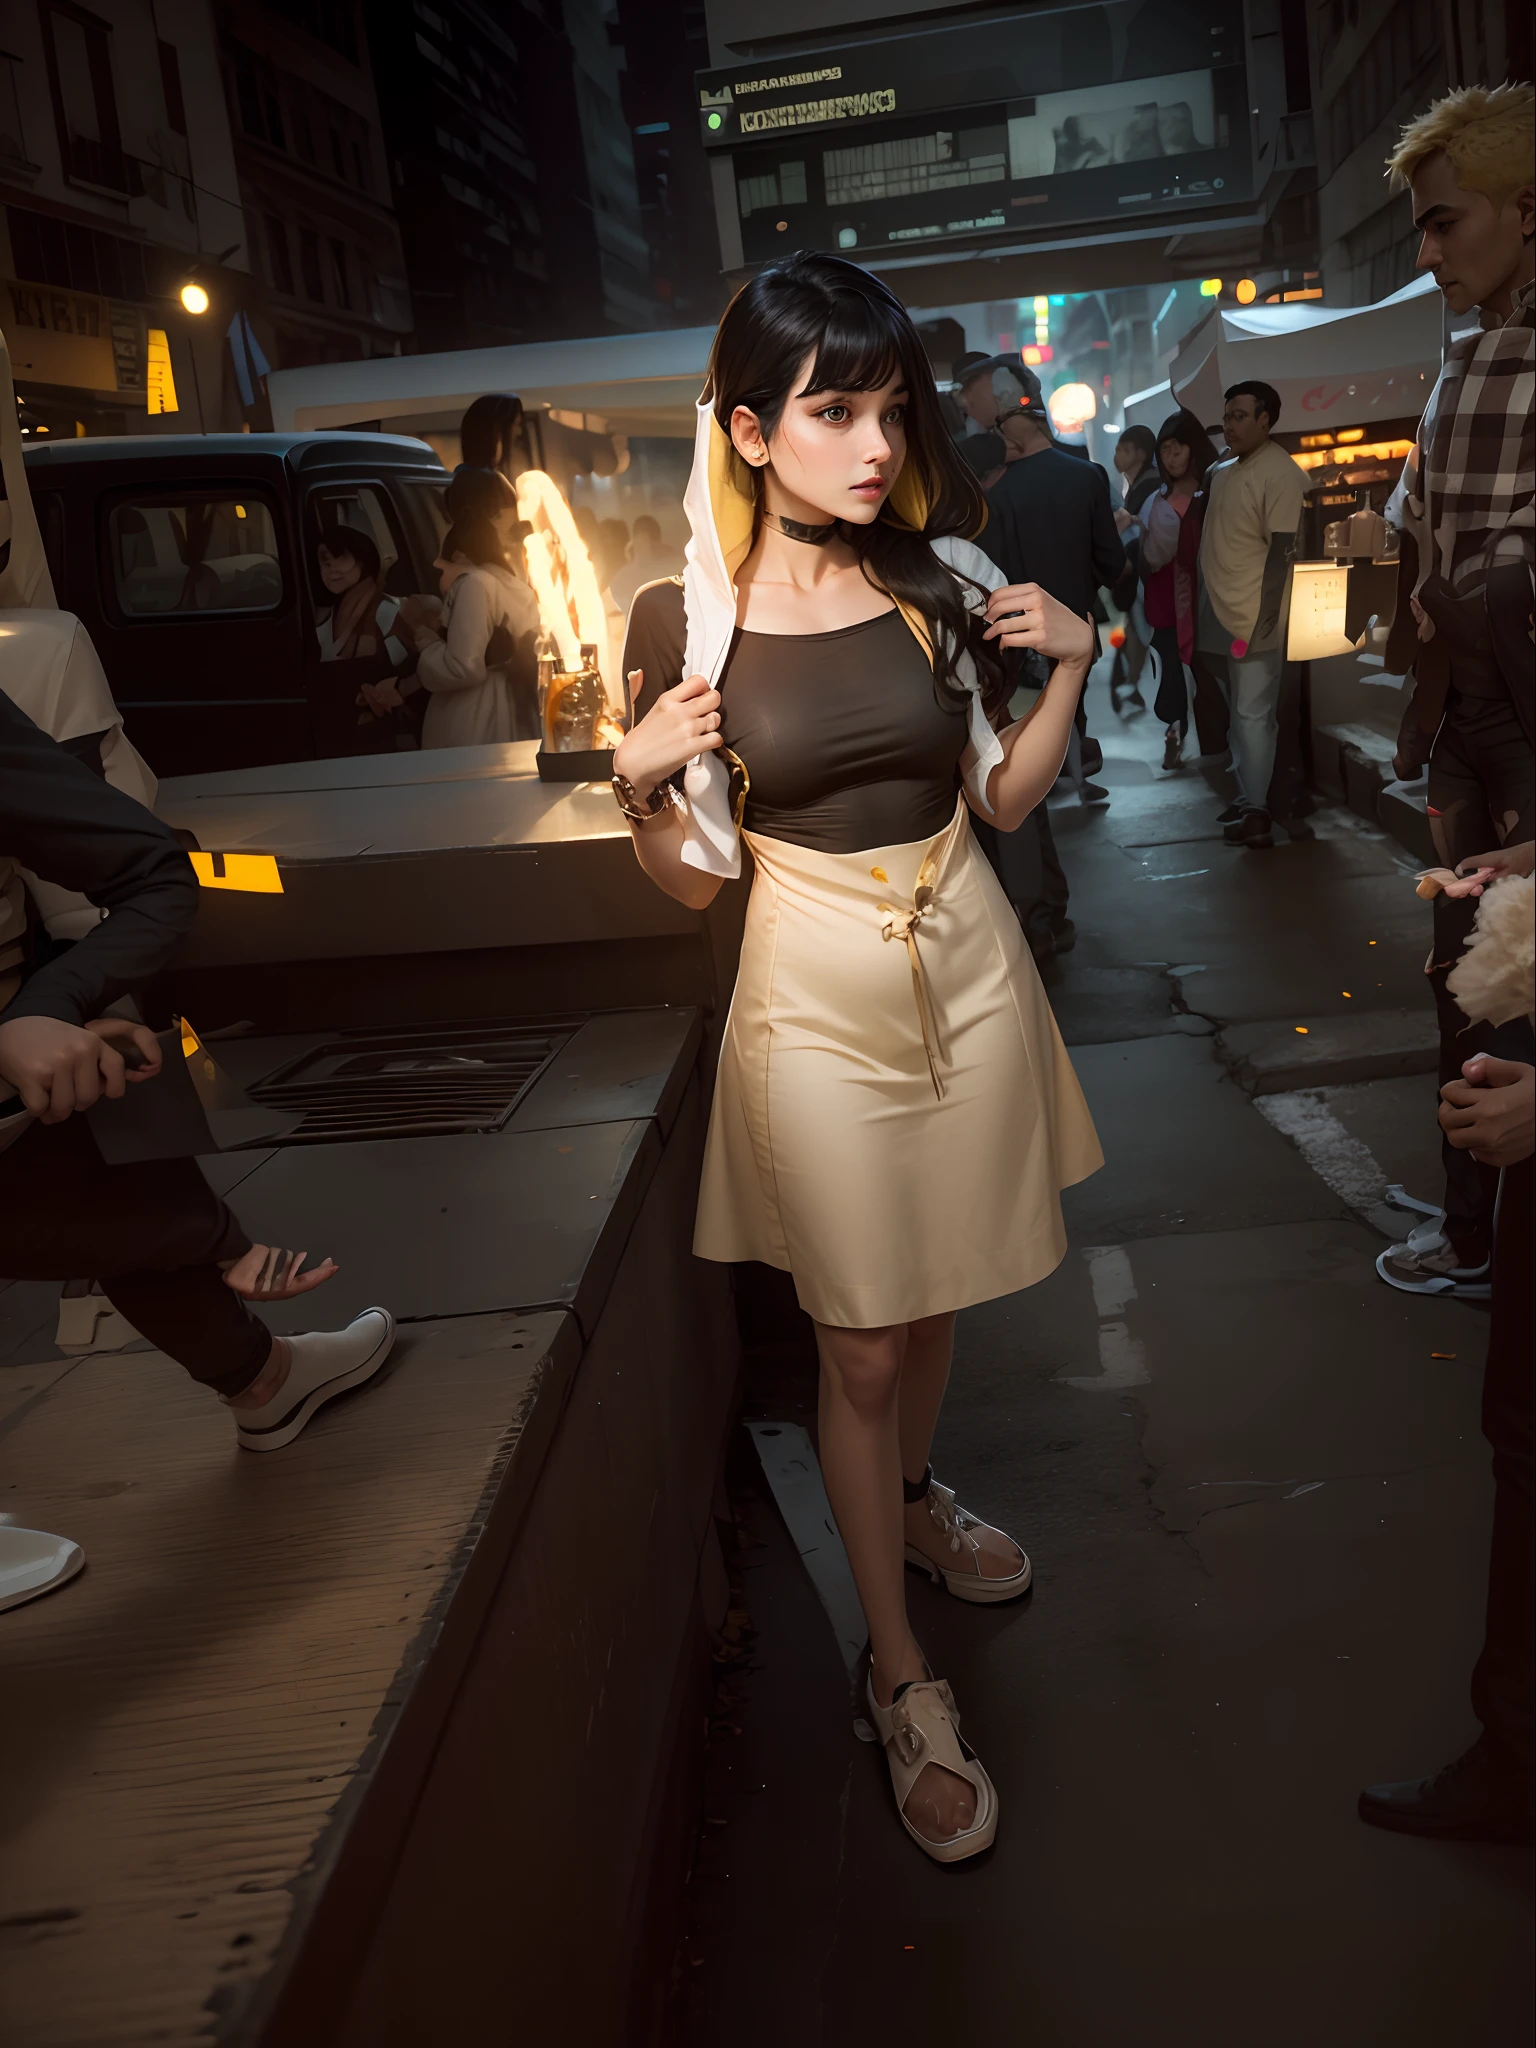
(1467, 489)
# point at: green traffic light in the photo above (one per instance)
(715, 120)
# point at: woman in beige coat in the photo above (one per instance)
(478, 661)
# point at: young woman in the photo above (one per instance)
(895, 1113)
(364, 626)
(1170, 550)
(1136, 465)
(477, 659)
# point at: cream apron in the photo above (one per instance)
(895, 1113)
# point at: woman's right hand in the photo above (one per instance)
(681, 723)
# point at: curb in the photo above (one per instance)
(1377, 1045)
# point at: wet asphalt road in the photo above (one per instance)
(1258, 1511)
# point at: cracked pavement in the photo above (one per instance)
(1258, 1512)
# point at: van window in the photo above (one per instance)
(428, 514)
(361, 509)
(193, 553)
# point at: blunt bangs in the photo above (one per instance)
(860, 349)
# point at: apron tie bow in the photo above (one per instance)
(903, 925)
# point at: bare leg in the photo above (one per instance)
(267, 1273)
(924, 1376)
(861, 1463)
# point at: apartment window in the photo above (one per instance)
(309, 264)
(261, 112)
(339, 273)
(80, 63)
(46, 250)
(279, 259)
(170, 85)
(13, 148)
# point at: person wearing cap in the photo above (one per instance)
(972, 390)
(1050, 511)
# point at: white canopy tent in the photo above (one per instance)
(643, 384)
(1151, 407)
(1333, 366)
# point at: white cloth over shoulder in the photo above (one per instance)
(53, 673)
(711, 841)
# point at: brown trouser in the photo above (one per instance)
(152, 1234)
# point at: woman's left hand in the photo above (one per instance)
(1024, 615)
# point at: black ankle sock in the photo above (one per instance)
(912, 1491)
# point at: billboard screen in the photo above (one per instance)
(947, 134)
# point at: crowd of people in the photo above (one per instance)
(1196, 558)
(931, 1063)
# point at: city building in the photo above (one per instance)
(512, 170)
(118, 189)
(326, 253)
(663, 48)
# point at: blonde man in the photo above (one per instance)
(1463, 623)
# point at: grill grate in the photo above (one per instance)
(432, 1081)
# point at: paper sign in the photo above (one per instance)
(1319, 597)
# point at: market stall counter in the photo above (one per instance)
(390, 1738)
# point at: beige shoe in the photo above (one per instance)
(963, 1575)
(921, 1726)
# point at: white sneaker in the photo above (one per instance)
(33, 1562)
(325, 1363)
(1427, 1264)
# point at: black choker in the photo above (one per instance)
(795, 529)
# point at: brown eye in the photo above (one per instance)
(828, 412)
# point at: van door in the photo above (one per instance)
(200, 625)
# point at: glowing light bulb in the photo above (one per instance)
(194, 298)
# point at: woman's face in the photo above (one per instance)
(1174, 457)
(338, 572)
(834, 454)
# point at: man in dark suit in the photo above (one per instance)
(1049, 522)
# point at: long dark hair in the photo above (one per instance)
(1184, 428)
(860, 337)
(474, 539)
(491, 430)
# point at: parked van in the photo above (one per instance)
(192, 561)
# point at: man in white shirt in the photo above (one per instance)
(1254, 503)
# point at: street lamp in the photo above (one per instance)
(1071, 406)
(194, 298)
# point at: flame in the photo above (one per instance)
(560, 570)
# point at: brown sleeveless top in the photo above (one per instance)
(848, 740)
